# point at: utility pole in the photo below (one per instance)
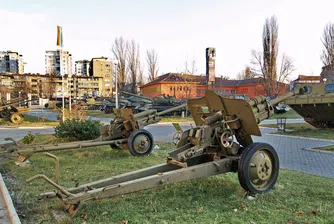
(115, 63)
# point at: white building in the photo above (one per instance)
(11, 62)
(82, 68)
(58, 66)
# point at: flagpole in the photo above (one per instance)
(62, 81)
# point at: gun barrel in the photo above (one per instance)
(294, 92)
(131, 94)
(172, 109)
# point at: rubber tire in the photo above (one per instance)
(4, 113)
(16, 118)
(133, 136)
(243, 168)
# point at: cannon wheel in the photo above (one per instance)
(258, 168)
(16, 118)
(140, 142)
(4, 113)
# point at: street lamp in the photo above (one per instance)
(19, 98)
(115, 63)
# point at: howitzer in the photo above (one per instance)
(10, 111)
(205, 150)
(126, 131)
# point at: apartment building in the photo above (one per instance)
(11, 62)
(50, 86)
(102, 68)
(82, 67)
(58, 62)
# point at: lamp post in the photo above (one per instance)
(115, 63)
(19, 98)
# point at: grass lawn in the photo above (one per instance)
(98, 113)
(326, 148)
(217, 199)
(31, 121)
(291, 114)
(304, 130)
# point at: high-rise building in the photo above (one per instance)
(102, 67)
(58, 62)
(11, 62)
(82, 68)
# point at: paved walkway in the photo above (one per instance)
(3, 211)
(289, 150)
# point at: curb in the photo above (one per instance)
(319, 150)
(8, 127)
(14, 218)
(299, 137)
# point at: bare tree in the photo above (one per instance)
(141, 75)
(189, 76)
(3, 91)
(120, 49)
(246, 73)
(134, 64)
(48, 87)
(265, 62)
(152, 62)
(327, 56)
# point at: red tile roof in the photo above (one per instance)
(308, 78)
(201, 80)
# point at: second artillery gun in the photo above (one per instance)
(10, 111)
(126, 131)
(221, 142)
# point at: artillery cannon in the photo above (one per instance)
(205, 150)
(126, 131)
(9, 110)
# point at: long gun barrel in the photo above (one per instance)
(261, 108)
(131, 94)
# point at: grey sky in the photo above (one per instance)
(178, 30)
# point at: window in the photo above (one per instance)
(227, 91)
(171, 88)
(203, 90)
(233, 91)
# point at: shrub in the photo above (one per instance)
(78, 129)
(29, 138)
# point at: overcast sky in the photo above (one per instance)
(179, 30)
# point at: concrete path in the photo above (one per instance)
(7, 210)
(52, 115)
(3, 211)
(19, 133)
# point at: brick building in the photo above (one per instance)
(192, 86)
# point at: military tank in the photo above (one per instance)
(316, 106)
(159, 104)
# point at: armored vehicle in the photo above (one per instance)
(316, 106)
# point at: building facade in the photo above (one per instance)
(102, 68)
(58, 62)
(194, 86)
(11, 62)
(50, 86)
(82, 67)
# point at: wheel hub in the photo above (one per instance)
(141, 143)
(261, 168)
